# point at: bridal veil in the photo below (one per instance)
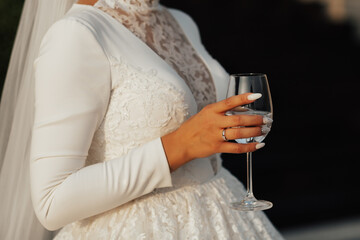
(17, 218)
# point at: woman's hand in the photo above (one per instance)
(201, 135)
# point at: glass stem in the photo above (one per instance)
(249, 175)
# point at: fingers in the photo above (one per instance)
(228, 147)
(245, 132)
(234, 101)
(241, 120)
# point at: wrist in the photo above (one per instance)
(175, 150)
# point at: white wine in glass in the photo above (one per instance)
(254, 83)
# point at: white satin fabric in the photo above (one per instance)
(103, 100)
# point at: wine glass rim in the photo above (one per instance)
(248, 75)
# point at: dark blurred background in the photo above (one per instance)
(310, 51)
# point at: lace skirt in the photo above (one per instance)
(191, 212)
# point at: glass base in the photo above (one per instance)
(251, 204)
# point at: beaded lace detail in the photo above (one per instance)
(156, 27)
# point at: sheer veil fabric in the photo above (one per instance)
(17, 218)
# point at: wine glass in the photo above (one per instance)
(254, 83)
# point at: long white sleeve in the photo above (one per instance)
(72, 92)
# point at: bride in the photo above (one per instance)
(128, 120)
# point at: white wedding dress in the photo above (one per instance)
(104, 96)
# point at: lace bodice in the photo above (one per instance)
(142, 107)
(163, 104)
(155, 26)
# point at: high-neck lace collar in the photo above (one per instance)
(130, 5)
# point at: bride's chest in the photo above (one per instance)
(142, 107)
(142, 100)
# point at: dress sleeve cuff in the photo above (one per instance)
(162, 163)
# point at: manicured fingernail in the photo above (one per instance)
(259, 145)
(254, 96)
(265, 130)
(267, 120)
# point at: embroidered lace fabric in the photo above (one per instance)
(155, 26)
(142, 107)
(192, 212)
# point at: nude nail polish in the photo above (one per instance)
(267, 120)
(265, 130)
(259, 145)
(254, 96)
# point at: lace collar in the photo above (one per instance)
(130, 5)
